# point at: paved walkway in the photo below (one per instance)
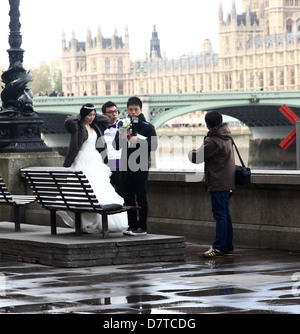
(253, 281)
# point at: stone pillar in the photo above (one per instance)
(10, 165)
(145, 100)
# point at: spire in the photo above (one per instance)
(248, 11)
(126, 37)
(233, 14)
(63, 41)
(261, 10)
(73, 41)
(155, 44)
(89, 38)
(99, 36)
(221, 14)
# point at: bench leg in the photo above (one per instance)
(53, 221)
(78, 230)
(104, 226)
(17, 218)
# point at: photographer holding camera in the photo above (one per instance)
(218, 155)
(136, 147)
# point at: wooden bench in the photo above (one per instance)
(69, 190)
(16, 201)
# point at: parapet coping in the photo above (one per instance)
(288, 177)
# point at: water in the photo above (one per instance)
(172, 152)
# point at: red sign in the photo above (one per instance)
(292, 117)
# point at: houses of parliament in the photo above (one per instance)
(259, 49)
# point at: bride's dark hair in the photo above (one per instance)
(86, 109)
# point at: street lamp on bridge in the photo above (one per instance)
(20, 126)
(141, 73)
(256, 78)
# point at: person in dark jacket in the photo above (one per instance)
(218, 155)
(136, 147)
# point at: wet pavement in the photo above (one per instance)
(251, 282)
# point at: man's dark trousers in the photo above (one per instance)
(135, 193)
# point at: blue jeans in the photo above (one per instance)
(220, 210)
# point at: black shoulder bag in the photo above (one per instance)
(242, 173)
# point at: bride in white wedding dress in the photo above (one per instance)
(88, 127)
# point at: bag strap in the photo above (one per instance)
(238, 153)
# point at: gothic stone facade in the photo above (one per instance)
(259, 49)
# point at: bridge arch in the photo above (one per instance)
(163, 115)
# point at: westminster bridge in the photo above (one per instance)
(259, 110)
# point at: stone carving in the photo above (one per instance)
(17, 96)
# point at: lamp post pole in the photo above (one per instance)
(15, 38)
(20, 125)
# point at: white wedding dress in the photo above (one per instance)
(90, 162)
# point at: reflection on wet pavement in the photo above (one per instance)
(253, 281)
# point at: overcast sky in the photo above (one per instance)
(181, 25)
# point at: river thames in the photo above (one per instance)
(174, 145)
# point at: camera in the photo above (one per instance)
(134, 124)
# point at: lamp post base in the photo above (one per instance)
(21, 134)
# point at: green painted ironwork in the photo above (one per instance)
(161, 108)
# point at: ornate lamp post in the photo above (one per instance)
(20, 126)
(141, 73)
(256, 77)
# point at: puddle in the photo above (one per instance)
(122, 300)
(214, 292)
(283, 302)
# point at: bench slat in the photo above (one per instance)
(68, 194)
(72, 202)
(62, 182)
(64, 191)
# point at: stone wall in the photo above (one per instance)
(265, 214)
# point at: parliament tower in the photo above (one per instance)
(259, 49)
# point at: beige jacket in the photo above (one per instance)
(218, 154)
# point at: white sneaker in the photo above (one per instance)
(138, 231)
(128, 231)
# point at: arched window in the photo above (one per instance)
(271, 78)
(289, 26)
(107, 65)
(107, 88)
(120, 65)
(120, 89)
(267, 27)
(281, 78)
(292, 73)
(241, 81)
